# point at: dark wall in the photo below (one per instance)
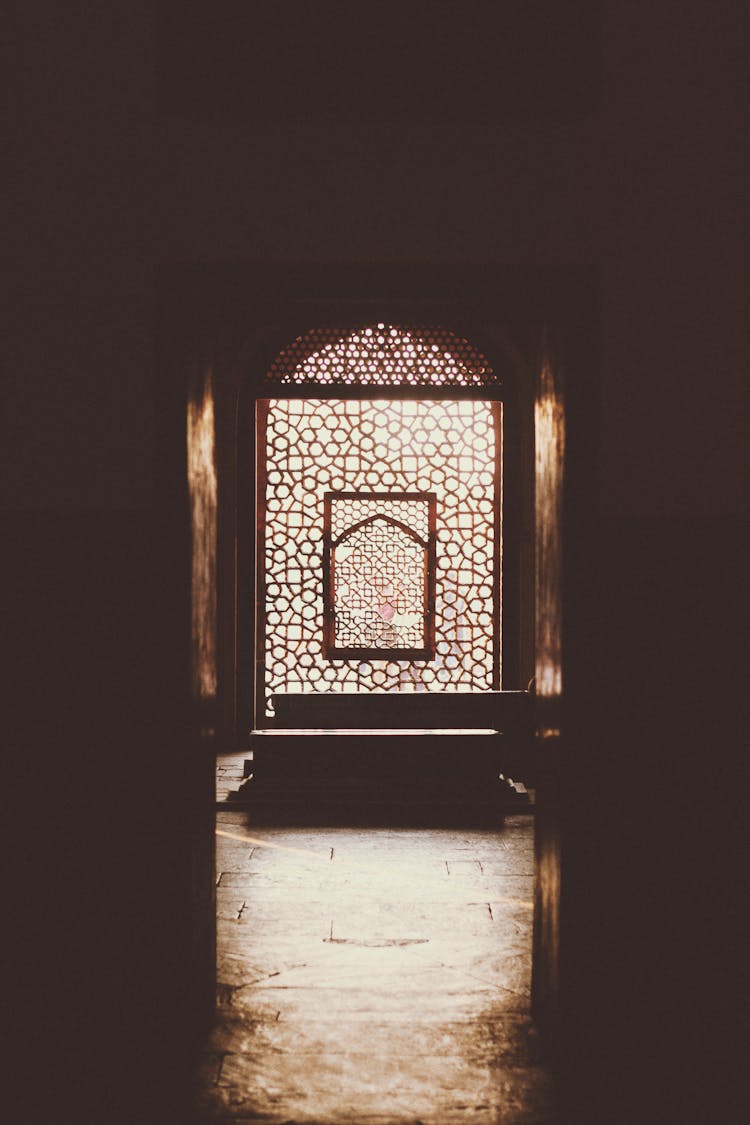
(639, 175)
(646, 182)
(651, 963)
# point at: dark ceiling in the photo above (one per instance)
(373, 56)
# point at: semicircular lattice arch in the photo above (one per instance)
(382, 355)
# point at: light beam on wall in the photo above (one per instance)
(201, 469)
(549, 437)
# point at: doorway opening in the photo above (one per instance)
(384, 667)
(381, 467)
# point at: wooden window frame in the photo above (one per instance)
(330, 649)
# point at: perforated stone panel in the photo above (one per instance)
(316, 446)
(383, 355)
(379, 576)
(348, 510)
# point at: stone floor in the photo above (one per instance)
(230, 773)
(373, 976)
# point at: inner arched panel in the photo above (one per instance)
(377, 449)
(379, 575)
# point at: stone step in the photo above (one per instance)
(507, 710)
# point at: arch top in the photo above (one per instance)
(382, 517)
(382, 355)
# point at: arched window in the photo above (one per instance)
(379, 514)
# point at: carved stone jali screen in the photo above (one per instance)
(383, 355)
(379, 575)
(380, 532)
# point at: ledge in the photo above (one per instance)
(373, 732)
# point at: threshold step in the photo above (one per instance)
(372, 732)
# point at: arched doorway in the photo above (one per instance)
(382, 481)
(518, 355)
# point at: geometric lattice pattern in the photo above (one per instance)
(382, 355)
(378, 574)
(350, 508)
(319, 446)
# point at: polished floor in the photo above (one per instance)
(372, 976)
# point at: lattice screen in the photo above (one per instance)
(379, 574)
(314, 447)
(383, 355)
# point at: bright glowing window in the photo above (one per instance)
(379, 518)
(318, 446)
(379, 575)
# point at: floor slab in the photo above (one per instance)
(372, 976)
